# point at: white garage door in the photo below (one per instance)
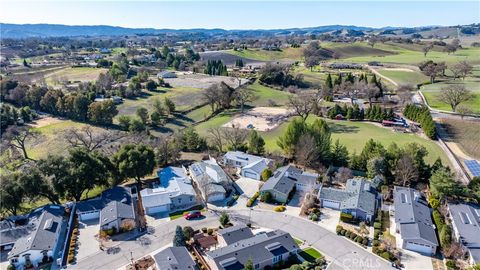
(251, 175)
(418, 248)
(330, 204)
(89, 216)
(157, 209)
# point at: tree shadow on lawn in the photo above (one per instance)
(341, 128)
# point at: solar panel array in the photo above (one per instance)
(473, 166)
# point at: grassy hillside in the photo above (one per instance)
(263, 55)
(81, 74)
(404, 76)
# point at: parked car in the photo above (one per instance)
(192, 214)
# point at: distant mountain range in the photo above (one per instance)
(60, 30)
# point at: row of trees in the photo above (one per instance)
(375, 113)
(423, 117)
(216, 67)
(433, 70)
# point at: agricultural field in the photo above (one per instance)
(432, 91)
(403, 75)
(465, 133)
(286, 54)
(357, 49)
(74, 74)
(264, 95)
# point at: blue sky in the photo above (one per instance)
(241, 15)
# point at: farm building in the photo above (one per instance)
(174, 191)
(413, 221)
(358, 199)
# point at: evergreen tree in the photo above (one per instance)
(339, 155)
(256, 144)
(328, 81)
(349, 115)
(179, 238)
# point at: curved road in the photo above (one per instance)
(340, 252)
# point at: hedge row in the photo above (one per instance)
(252, 200)
(421, 115)
(352, 235)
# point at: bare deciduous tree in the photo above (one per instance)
(368, 90)
(235, 136)
(303, 103)
(405, 171)
(427, 49)
(17, 137)
(306, 151)
(216, 138)
(404, 93)
(343, 174)
(90, 139)
(455, 94)
(243, 96)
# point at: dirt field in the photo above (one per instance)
(227, 59)
(202, 81)
(45, 121)
(465, 135)
(260, 118)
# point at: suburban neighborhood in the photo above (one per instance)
(165, 135)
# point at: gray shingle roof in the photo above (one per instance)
(466, 220)
(413, 215)
(357, 194)
(242, 157)
(259, 248)
(174, 258)
(284, 179)
(118, 193)
(115, 210)
(235, 233)
(44, 236)
(214, 172)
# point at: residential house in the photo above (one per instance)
(233, 234)
(358, 198)
(173, 258)
(10, 233)
(166, 74)
(249, 166)
(211, 180)
(413, 221)
(90, 209)
(43, 242)
(288, 179)
(264, 250)
(173, 192)
(117, 216)
(465, 219)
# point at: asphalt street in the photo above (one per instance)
(340, 252)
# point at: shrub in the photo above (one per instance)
(266, 197)
(209, 231)
(347, 234)
(376, 233)
(345, 217)
(451, 265)
(252, 200)
(267, 173)
(204, 229)
(353, 235)
(358, 239)
(279, 208)
(445, 236)
(224, 219)
(339, 229)
(314, 217)
(365, 241)
(375, 243)
(343, 232)
(387, 256)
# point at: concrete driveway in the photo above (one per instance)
(247, 186)
(329, 219)
(87, 243)
(415, 261)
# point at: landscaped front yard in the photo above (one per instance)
(310, 254)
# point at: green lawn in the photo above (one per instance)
(310, 254)
(217, 121)
(263, 55)
(432, 91)
(404, 77)
(263, 95)
(354, 135)
(298, 241)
